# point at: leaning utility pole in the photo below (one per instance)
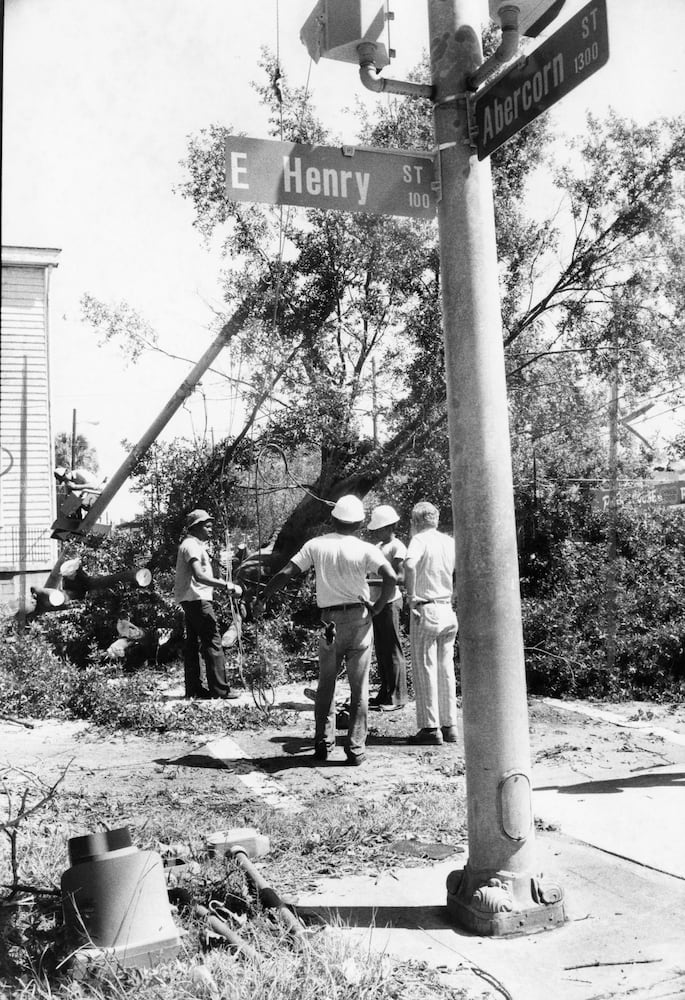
(65, 527)
(500, 890)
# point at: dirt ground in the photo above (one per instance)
(274, 764)
(164, 785)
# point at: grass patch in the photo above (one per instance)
(337, 835)
(351, 838)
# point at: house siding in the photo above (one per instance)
(27, 493)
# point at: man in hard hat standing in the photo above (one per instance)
(387, 640)
(341, 562)
(429, 579)
(194, 591)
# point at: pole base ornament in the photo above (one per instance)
(504, 903)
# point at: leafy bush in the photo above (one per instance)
(36, 682)
(582, 642)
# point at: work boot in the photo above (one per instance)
(426, 737)
(355, 759)
(449, 734)
(320, 752)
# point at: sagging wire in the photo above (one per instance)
(263, 692)
(260, 699)
(236, 617)
(272, 446)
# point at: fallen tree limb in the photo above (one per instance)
(5, 827)
(597, 964)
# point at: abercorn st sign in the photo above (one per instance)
(573, 53)
(347, 178)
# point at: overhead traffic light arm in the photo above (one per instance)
(368, 73)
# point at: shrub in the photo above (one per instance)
(579, 640)
(36, 682)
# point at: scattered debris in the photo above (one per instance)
(418, 849)
(597, 964)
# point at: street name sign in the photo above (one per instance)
(573, 53)
(347, 178)
(666, 494)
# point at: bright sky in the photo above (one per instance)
(98, 102)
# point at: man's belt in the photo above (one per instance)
(434, 600)
(342, 607)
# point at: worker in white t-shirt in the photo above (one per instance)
(194, 591)
(341, 562)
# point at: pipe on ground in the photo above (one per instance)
(268, 897)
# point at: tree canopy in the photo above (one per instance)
(341, 358)
(82, 452)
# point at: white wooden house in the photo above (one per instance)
(27, 485)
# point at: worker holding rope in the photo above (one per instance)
(341, 562)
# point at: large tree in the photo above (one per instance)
(354, 315)
(352, 319)
(345, 309)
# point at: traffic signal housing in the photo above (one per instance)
(335, 29)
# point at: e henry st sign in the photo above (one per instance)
(349, 179)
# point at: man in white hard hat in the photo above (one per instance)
(194, 591)
(429, 579)
(341, 562)
(387, 640)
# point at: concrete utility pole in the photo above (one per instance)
(500, 891)
(190, 382)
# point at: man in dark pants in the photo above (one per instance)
(193, 590)
(387, 639)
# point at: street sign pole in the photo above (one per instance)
(500, 890)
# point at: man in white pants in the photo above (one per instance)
(429, 579)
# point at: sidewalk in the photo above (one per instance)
(629, 919)
(617, 847)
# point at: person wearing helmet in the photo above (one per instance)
(341, 562)
(392, 693)
(194, 591)
(429, 579)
